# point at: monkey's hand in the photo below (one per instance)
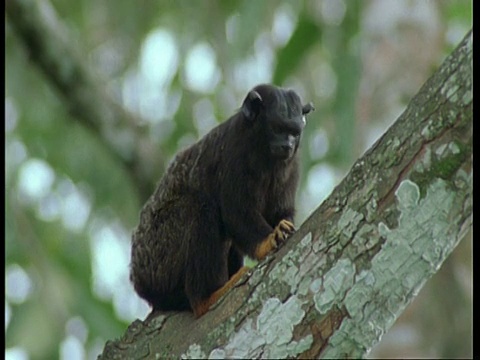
(271, 242)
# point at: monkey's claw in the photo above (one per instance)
(285, 228)
(279, 235)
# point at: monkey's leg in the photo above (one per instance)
(202, 307)
(235, 261)
(279, 234)
(159, 254)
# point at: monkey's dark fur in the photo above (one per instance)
(221, 198)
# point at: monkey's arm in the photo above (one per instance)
(281, 209)
(249, 230)
(261, 250)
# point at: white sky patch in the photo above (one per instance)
(128, 305)
(50, 207)
(383, 16)
(283, 25)
(77, 328)
(18, 285)
(256, 68)
(455, 33)
(110, 249)
(265, 56)
(318, 144)
(75, 211)
(35, 179)
(16, 353)
(110, 256)
(321, 180)
(71, 349)
(75, 206)
(145, 91)
(159, 58)
(66, 201)
(201, 71)
(333, 11)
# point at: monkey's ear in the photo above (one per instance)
(307, 108)
(252, 105)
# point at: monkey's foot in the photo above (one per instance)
(203, 306)
(278, 235)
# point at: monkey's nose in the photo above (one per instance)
(287, 147)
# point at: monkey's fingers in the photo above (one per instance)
(271, 242)
(286, 226)
(284, 229)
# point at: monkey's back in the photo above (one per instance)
(169, 219)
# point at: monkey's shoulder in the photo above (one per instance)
(195, 166)
(205, 152)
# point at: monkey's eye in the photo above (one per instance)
(277, 129)
(295, 132)
(285, 128)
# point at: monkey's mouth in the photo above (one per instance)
(282, 152)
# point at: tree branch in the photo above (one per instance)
(342, 280)
(48, 46)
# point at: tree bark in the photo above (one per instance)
(344, 277)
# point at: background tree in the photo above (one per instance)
(74, 187)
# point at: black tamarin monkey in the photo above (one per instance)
(230, 194)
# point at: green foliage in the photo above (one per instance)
(307, 35)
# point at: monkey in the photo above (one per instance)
(229, 195)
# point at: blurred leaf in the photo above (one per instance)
(60, 269)
(253, 16)
(347, 66)
(31, 327)
(95, 25)
(459, 10)
(306, 35)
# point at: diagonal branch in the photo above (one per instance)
(342, 280)
(50, 49)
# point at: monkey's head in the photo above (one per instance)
(280, 117)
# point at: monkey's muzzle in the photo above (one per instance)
(282, 151)
(283, 148)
